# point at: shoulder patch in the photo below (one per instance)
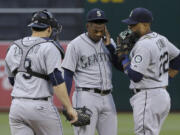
(138, 58)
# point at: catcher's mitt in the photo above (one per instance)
(84, 116)
(126, 41)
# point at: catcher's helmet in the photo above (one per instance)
(43, 19)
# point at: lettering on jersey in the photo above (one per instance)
(34, 49)
(164, 63)
(161, 44)
(138, 58)
(18, 51)
(93, 59)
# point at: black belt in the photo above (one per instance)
(44, 98)
(135, 91)
(102, 92)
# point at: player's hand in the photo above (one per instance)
(172, 72)
(73, 114)
(107, 37)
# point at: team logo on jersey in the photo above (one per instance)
(98, 13)
(138, 58)
(94, 59)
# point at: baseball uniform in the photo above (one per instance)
(91, 65)
(32, 110)
(151, 103)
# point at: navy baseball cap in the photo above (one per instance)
(138, 15)
(96, 14)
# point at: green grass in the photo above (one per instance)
(125, 125)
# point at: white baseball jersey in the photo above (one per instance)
(90, 61)
(44, 57)
(150, 56)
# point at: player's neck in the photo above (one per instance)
(146, 32)
(39, 34)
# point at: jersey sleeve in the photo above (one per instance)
(141, 58)
(71, 58)
(113, 43)
(8, 71)
(13, 58)
(52, 59)
(173, 50)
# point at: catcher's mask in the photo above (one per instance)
(43, 19)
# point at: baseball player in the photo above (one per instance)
(88, 60)
(150, 59)
(33, 66)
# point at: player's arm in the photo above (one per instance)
(9, 56)
(174, 58)
(10, 75)
(174, 66)
(69, 64)
(137, 66)
(114, 59)
(60, 91)
(132, 74)
(110, 45)
(68, 77)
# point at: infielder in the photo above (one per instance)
(33, 67)
(88, 60)
(150, 60)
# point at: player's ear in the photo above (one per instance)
(49, 29)
(146, 24)
(87, 25)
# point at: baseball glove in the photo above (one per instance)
(126, 41)
(84, 116)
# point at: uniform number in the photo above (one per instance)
(27, 65)
(163, 63)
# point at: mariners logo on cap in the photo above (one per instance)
(36, 21)
(131, 13)
(98, 13)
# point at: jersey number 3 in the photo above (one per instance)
(27, 65)
(163, 68)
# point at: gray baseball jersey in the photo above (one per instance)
(27, 115)
(91, 65)
(90, 62)
(44, 58)
(150, 56)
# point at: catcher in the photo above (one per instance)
(33, 67)
(148, 58)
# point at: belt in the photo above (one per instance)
(44, 98)
(135, 91)
(101, 92)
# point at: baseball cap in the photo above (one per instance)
(96, 14)
(138, 15)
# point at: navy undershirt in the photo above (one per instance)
(68, 77)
